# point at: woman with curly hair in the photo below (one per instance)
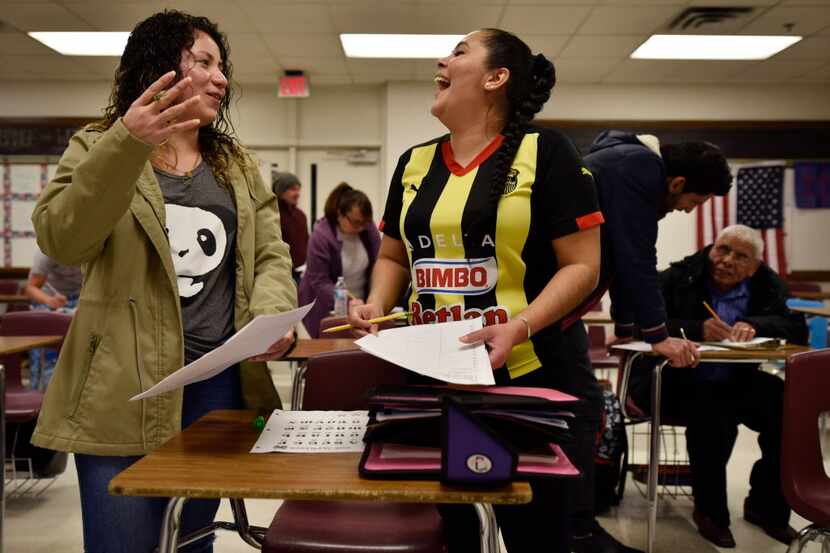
(512, 209)
(179, 241)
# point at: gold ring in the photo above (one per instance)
(158, 96)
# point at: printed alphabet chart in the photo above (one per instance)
(313, 432)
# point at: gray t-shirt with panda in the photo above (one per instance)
(201, 228)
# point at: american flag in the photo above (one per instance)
(755, 201)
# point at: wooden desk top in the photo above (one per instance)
(14, 298)
(811, 295)
(597, 319)
(211, 459)
(820, 311)
(780, 354)
(311, 347)
(18, 344)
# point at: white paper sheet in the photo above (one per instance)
(434, 350)
(254, 339)
(313, 432)
(646, 347)
(755, 343)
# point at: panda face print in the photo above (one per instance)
(197, 244)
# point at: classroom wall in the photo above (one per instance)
(395, 116)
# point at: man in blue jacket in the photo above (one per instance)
(638, 183)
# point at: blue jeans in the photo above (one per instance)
(42, 361)
(120, 524)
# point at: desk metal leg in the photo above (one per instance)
(489, 528)
(654, 454)
(298, 380)
(170, 526)
(170, 542)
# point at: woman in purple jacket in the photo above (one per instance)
(344, 243)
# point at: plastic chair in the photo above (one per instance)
(339, 381)
(806, 484)
(12, 288)
(23, 404)
(817, 325)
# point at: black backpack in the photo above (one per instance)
(611, 459)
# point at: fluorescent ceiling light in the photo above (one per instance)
(712, 47)
(84, 44)
(398, 46)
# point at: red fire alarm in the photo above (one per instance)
(294, 85)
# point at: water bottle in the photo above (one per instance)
(341, 299)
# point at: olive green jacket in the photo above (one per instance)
(104, 211)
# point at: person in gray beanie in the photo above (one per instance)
(293, 221)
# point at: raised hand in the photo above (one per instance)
(152, 118)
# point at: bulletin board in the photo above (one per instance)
(22, 183)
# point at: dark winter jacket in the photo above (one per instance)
(631, 183)
(685, 287)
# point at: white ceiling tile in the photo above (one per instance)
(268, 17)
(331, 66)
(50, 66)
(583, 70)
(731, 3)
(255, 64)
(650, 2)
(399, 68)
(109, 16)
(631, 20)
(225, 13)
(18, 44)
(707, 71)
(552, 20)
(372, 17)
(549, 45)
(810, 48)
(103, 66)
(46, 16)
(675, 72)
(822, 75)
(806, 20)
(772, 71)
(805, 3)
(602, 46)
(305, 45)
(641, 71)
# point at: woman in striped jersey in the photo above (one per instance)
(498, 219)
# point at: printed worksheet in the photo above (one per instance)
(434, 350)
(253, 339)
(313, 432)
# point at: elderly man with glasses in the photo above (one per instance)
(714, 398)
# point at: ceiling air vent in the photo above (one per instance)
(695, 19)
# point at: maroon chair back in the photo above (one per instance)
(806, 484)
(9, 287)
(23, 404)
(799, 286)
(339, 380)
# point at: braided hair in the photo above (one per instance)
(531, 80)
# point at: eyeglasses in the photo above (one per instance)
(739, 257)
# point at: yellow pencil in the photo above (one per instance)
(712, 311)
(391, 317)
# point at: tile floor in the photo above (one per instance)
(52, 522)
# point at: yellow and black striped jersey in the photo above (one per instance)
(467, 261)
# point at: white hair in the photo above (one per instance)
(745, 234)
